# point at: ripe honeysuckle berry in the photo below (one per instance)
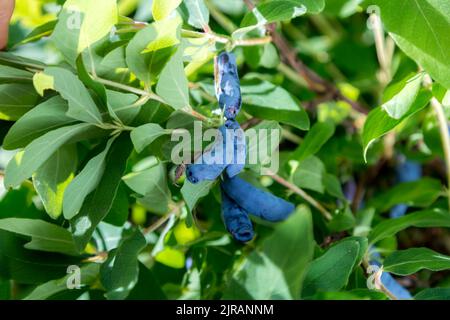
(405, 171)
(228, 152)
(239, 148)
(256, 201)
(228, 89)
(236, 220)
(198, 172)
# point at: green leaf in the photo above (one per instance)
(161, 9)
(342, 221)
(310, 174)
(420, 193)
(29, 266)
(124, 106)
(13, 75)
(421, 219)
(10, 59)
(331, 271)
(81, 24)
(16, 99)
(114, 63)
(343, 8)
(268, 134)
(98, 90)
(410, 261)
(421, 33)
(265, 100)
(333, 186)
(180, 119)
(52, 178)
(277, 271)
(119, 273)
(45, 117)
(433, 294)
(99, 202)
(44, 236)
(26, 162)
(378, 122)
(81, 105)
(363, 247)
(84, 183)
(192, 193)
(88, 275)
(40, 32)
(144, 135)
(312, 6)
(147, 287)
(173, 84)
(152, 47)
(152, 185)
(118, 215)
(398, 106)
(319, 134)
(274, 11)
(198, 13)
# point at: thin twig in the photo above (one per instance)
(209, 34)
(445, 137)
(383, 52)
(98, 258)
(443, 129)
(220, 18)
(250, 123)
(161, 221)
(314, 81)
(252, 41)
(131, 89)
(327, 215)
(290, 136)
(292, 75)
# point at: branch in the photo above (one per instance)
(131, 89)
(313, 80)
(384, 53)
(161, 221)
(208, 34)
(444, 131)
(327, 215)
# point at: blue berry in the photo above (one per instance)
(228, 89)
(255, 201)
(236, 220)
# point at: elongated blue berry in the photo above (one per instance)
(239, 148)
(228, 88)
(199, 172)
(228, 152)
(406, 171)
(255, 201)
(236, 220)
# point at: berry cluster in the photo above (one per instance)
(239, 198)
